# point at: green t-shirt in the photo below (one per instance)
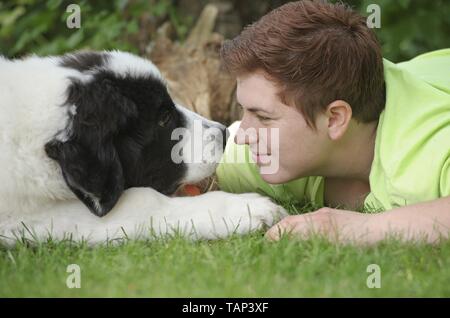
(412, 147)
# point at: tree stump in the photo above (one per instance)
(193, 69)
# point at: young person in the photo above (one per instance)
(353, 130)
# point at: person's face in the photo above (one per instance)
(296, 152)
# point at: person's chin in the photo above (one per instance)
(274, 178)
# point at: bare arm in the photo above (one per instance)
(426, 221)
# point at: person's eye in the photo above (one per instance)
(263, 118)
(164, 119)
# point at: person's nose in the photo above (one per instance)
(246, 134)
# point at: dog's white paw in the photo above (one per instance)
(239, 214)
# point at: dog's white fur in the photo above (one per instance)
(35, 202)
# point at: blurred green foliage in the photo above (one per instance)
(39, 26)
(408, 27)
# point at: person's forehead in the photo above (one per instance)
(255, 90)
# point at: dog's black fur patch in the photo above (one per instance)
(84, 60)
(115, 141)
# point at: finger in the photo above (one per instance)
(279, 230)
(301, 226)
(274, 233)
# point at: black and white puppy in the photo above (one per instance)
(93, 131)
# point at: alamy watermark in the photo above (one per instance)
(373, 21)
(73, 21)
(74, 278)
(197, 145)
(374, 279)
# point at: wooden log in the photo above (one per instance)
(193, 69)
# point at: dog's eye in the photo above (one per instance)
(164, 119)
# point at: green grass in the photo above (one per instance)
(247, 266)
(239, 267)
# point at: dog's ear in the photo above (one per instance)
(94, 176)
(89, 160)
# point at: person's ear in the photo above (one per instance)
(339, 114)
(89, 160)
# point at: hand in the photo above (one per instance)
(335, 225)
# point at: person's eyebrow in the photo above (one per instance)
(255, 109)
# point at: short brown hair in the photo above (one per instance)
(317, 52)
